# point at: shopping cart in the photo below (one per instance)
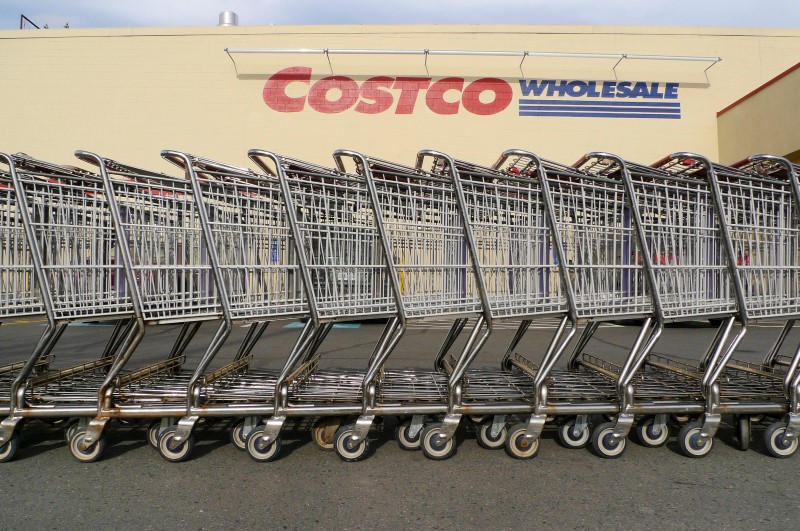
(759, 203)
(165, 264)
(257, 273)
(68, 229)
(430, 254)
(687, 269)
(343, 267)
(517, 260)
(597, 246)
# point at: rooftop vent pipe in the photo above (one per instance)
(228, 18)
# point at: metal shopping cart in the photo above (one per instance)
(687, 268)
(759, 204)
(431, 257)
(258, 275)
(597, 246)
(68, 229)
(165, 269)
(517, 259)
(346, 278)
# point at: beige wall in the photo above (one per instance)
(128, 93)
(765, 122)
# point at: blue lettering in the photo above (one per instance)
(532, 86)
(654, 93)
(640, 90)
(624, 90)
(560, 88)
(592, 91)
(671, 91)
(577, 88)
(608, 88)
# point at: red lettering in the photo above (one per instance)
(502, 96)
(375, 91)
(434, 98)
(409, 90)
(318, 95)
(275, 89)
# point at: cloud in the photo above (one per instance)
(105, 13)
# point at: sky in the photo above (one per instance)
(137, 13)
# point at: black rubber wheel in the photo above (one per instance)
(604, 444)
(172, 452)
(260, 451)
(346, 448)
(236, 433)
(485, 439)
(154, 431)
(568, 439)
(433, 446)
(775, 443)
(406, 442)
(743, 430)
(650, 434)
(91, 454)
(70, 430)
(690, 442)
(9, 449)
(518, 446)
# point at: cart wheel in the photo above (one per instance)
(743, 432)
(171, 451)
(9, 449)
(485, 439)
(690, 442)
(432, 445)
(651, 434)
(775, 442)
(237, 435)
(347, 449)
(154, 433)
(404, 440)
(69, 431)
(258, 450)
(324, 432)
(518, 446)
(681, 419)
(604, 444)
(568, 439)
(91, 454)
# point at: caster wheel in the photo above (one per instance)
(477, 419)
(260, 451)
(91, 454)
(237, 435)
(650, 434)
(324, 432)
(433, 446)
(485, 438)
(70, 430)
(404, 440)
(9, 449)
(348, 449)
(775, 442)
(681, 419)
(743, 432)
(690, 442)
(172, 451)
(154, 431)
(604, 443)
(568, 438)
(518, 446)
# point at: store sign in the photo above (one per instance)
(292, 90)
(375, 95)
(599, 99)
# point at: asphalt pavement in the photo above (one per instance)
(221, 487)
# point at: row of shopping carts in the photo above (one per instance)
(367, 239)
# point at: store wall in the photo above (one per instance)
(766, 121)
(128, 93)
